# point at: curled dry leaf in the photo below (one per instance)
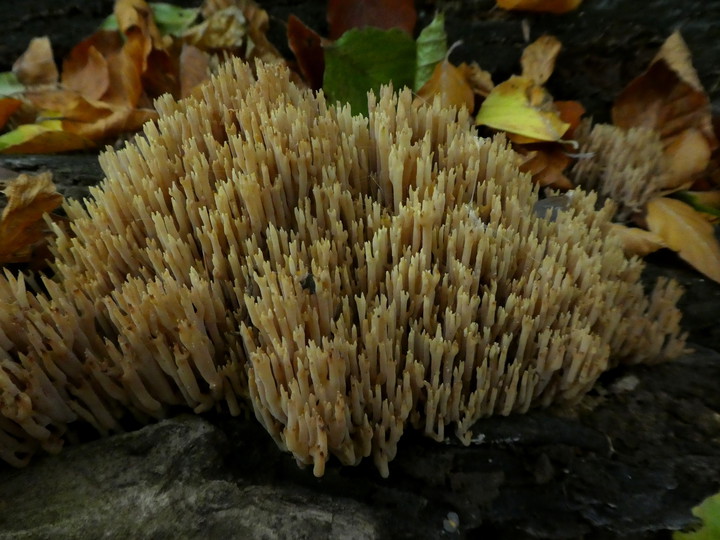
(637, 241)
(684, 230)
(479, 80)
(194, 68)
(86, 69)
(8, 106)
(451, 86)
(669, 98)
(306, 45)
(22, 227)
(546, 163)
(546, 6)
(36, 66)
(538, 59)
(342, 15)
(519, 106)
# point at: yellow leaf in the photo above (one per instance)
(637, 241)
(521, 107)
(687, 155)
(42, 138)
(547, 6)
(450, 83)
(538, 59)
(684, 230)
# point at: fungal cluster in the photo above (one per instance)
(345, 277)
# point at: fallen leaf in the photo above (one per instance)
(546, 164)
(570, 112)
(9, 84)
(479, 80)
(547, 6)
(450, 84)
(709, 513)
(8, 106)
(518, 106)
(306, 45)
(259, 45)
(538, 59)
(431, 48)
(684, 230)
(359, 62)
(45, 137)
(343, 15)
(170, 19)
(86, 71)
(36, 65)
(637, 241)
(668, 97)
(224, 29)
(707, 202)
(194, 68)
(22, 227)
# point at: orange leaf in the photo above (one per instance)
(669, 98)
(36, 65)
(546, 165)
(570, 112)
(342, 15)
(547, 6)
(22, 226)
(684, 230)
(538, 59)
(450, 84)
(306, 45)
(8, 106)
(637, 241)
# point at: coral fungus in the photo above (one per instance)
(346, 277)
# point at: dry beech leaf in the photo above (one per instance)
(450, 84)
(570, 112)
(637, 241)
(519, 107)
(258, 24)
(42, 138)
(36, 65)
(342, 15)
(684, 230)
(546, 164)
(194, 68)
(546, 6)
(86, 71)
(669, 98)
(8, 106)
(479, 80)
(22, 226)
(306, 45)
(538, 59)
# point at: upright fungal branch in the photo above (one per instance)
(347, 277)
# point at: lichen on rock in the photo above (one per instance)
(346, 277)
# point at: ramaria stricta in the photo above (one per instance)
(346, 277)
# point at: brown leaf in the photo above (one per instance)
(36, 65)
(546, 163)
(479, 80)
(85, 70)
(669, 98)
(684, 230)
(258, 24)
(538, 59)
(637, 241)
(342, 15)
(8, 106)
(306, 45)
(194, 68)
(547, 6)
(449, 83)
(570, 112)
(22, 228)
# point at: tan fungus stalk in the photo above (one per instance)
(347, 277)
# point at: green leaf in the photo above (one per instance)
(702, 201)
(431, 50)
(9, 84)
(364, 59)
(170, 19)
(709, 512)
